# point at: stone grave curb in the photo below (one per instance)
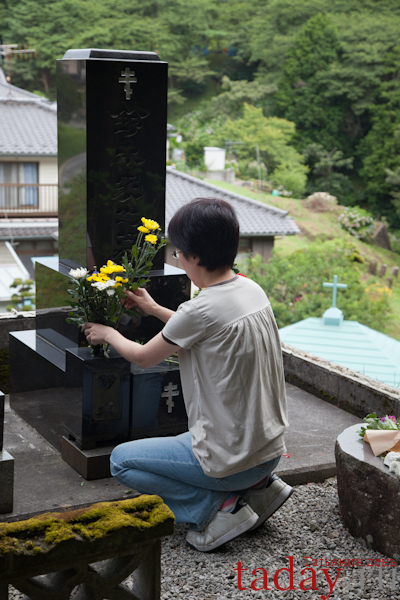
(353, 392)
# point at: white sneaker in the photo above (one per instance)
(267, 500)
(223, 527)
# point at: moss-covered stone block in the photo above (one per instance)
(124, 536)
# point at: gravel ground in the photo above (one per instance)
(307, 525)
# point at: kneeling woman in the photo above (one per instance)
(218, 477)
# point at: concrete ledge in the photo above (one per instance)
(349, 390)
(312, 474)
(14, 322)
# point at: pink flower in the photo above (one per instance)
(391, 417)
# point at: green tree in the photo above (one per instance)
(178, 30)
(273, 137)
(380, 149)
(325, 170)
(393, 179)
(235, 94)
(301, 95)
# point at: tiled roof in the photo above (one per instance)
(25, 227)
(28, 123)
(26, 232)
(255, 218)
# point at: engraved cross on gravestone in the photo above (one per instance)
(169, 392)
(128, 77)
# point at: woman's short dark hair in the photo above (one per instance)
(208, 228)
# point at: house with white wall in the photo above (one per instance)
(28, 153)
(28, 183)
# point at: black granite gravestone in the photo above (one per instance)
(6, 469)
(112, 126)
(1, 420)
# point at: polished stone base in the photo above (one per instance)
(91, 464)
(369, 495)
(6, 482)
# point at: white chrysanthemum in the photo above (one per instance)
(110, 292)
(104, 285)
(79, 273)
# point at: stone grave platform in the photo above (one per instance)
(44, 482)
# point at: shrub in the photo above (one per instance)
(358, 222)
(320, 202)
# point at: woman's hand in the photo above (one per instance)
(96, 333)
(140, 298)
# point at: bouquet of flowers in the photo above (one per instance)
(97, 296)
(389, 422)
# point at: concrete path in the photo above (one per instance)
(44, 482)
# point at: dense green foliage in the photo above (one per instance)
(302, 93)
(330, 67)
(284, 165)
(293, 284)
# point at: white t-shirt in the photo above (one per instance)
(232, 376)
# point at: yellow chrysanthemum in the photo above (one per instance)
(113, 268)
(151, 238)
(143, 229)
(98, 277)
(150, 224)
(118, 285)
(110, 263)
(121, 279)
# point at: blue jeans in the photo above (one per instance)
(168, 467)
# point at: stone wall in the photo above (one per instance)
(352, 391)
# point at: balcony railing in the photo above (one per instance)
(28, 198)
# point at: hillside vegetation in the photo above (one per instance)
(321, 249)
(312, 87)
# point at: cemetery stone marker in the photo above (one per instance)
(112, 125)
